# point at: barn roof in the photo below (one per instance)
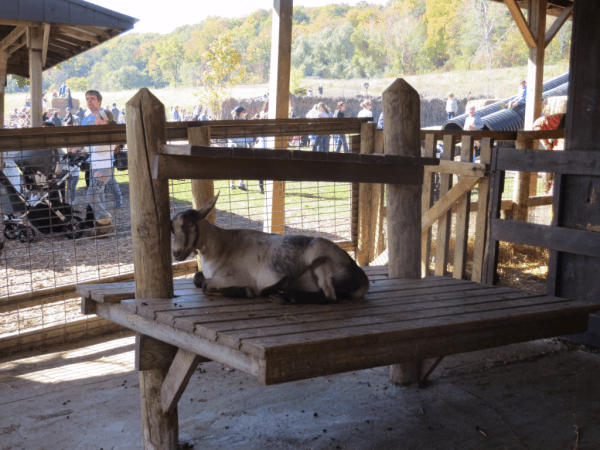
(71, 27)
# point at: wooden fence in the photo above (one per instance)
(368, 200)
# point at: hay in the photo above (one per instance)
(481, 103)
(555, 105)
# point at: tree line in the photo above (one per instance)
(403, 38)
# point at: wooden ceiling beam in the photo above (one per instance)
(78, 34)
(97, 31)
(17, 45)
(12, 37)
(557, 24)
(71, 40)
(20, 23)
(45, 40)
(59, 50)
(518, 17)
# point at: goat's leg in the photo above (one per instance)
(226, 285)
(323, 276)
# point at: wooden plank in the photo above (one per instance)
(483, 194)
(427, 203)
(181, 370)
(461, 190)
(496, 135)
(354, 144)
(519, 19)
(573, 162)
(442, 241)
(214, 351)
(34, 45)
(463, 214)
(464, 167)
(45, 41)
(152, 354)
(535, 67)
(557, 24)
(380, 353)
(190, 167)
(423, 324)
(487, 270)
(521, 185)
(569, 240)
(541, 200)
(71, 31)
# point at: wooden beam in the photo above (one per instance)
(468, 169)
(573, 162)
(569, 240)
(535, 66)
(519, 19)
(35, 39)
(481, 225)
(557, 24)
(45, 41)
(181, 370)
(462, 188)
(19, 43)
(12, 37)
(78, 34)
(367, 206)
(3, 66)
(152, 354)
(279, 105)
(427, 202)
(268, 167)
(97, 31)
(521, 182)
(71, 40)
(463, 215)
(20, 23)
(443, 232)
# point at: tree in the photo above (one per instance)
(170, 57)
(224, 71)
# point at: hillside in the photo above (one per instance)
(330, 43)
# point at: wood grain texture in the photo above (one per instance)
(426, 203)
(522, 25)
(481, 226)
(522, 181)
(442, 242)
(368, 202)
(463, 215)
(535, 66)
(573, 162)
(150, 209)
(151, 354)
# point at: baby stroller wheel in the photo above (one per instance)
(26, 234)
(74, 229)
(10, 231)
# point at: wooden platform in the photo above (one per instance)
(399, 321)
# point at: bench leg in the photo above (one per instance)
(160, 431)
(406, 373)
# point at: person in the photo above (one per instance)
(451, 106)
(292, 113)
(100, 159)
(366, 106)
(310, 92)
(473, 122)
(69, 99)
(340, 139)
(56, 120)
(521, 96)
(551, 122)
(238, 113)
(80, 114)
(175, 117)
(115, 112)
(320, 89)
(69, 121)
(321, 143)
(380, 121)
(62, 89)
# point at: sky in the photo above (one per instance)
(176, 13)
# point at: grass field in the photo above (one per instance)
(497, 83)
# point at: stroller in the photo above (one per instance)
(38, 203)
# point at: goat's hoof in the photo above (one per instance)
(278, 299)
(199, 280)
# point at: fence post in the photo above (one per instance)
(151, 235)
(442, 241)
(401, 134)
(521, 184)
(366, 208)
(463, 214)
(427, 202)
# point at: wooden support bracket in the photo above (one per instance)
(557, 24)
(515, 11)
(180, 372)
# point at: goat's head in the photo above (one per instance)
(186, 228)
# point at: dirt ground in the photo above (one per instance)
(541, 395)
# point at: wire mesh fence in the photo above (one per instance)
(66, 221)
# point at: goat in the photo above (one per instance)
(249, 263)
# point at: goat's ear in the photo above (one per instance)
(208, 206)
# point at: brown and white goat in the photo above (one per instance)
(249, 263)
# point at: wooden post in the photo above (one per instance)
(463, 214)
(427, 202)
(535, 66)
(366, 208)
(35, 43)
(3, 63)
(202, 190)
(442, 241)
(401, 134)
(521, 184)
(151, 235)
(279, 101)
(354, 147)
